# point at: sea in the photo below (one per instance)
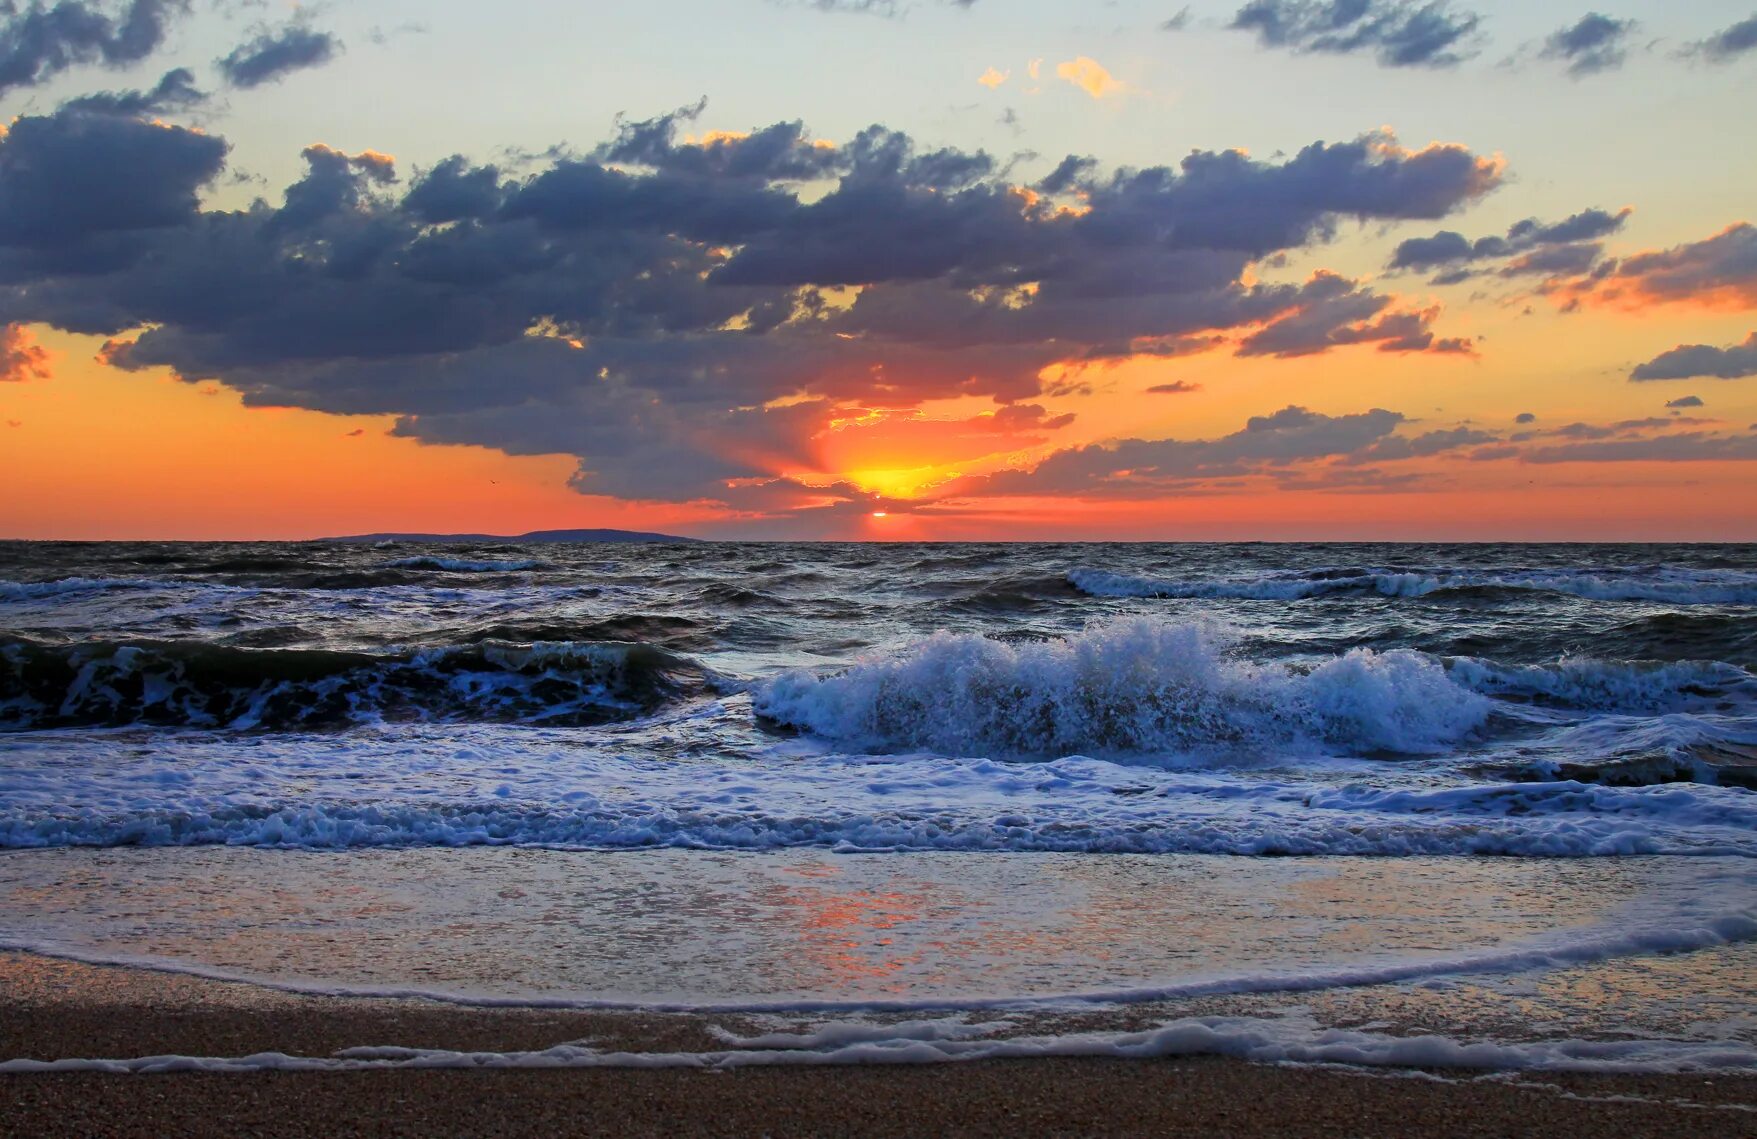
(1485, 806)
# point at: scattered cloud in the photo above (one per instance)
(272, 55)
(1399, 33)
(21, 358)
(993, 78)
(1592, 44)
(1336, 311)
(174, 92)
(1729, 43)
(1089, 76)
(1529, 248)
(1684, 401)
(1688, 447)
(1691, 361)
(1719, 272)
(1176, 387)
(1525, 417)
(38, 41)
(1178, 22)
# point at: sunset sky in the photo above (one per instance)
(930, 269)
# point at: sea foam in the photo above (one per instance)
(1134, 685)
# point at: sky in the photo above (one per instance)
(856, 269)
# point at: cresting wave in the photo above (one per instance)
(192, 684)
(1673, 587)
(1138, 685)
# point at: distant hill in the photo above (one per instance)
(533, 536)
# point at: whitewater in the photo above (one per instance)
(935, 727)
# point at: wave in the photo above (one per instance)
(462, 565)
(1626, 687)
(1555, 820)
(1131, 686)
(1292, 1037)
(192, 684)
(1674, 587)
(33, 590)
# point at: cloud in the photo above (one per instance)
(993, 78)
(1525, 417)
(1685, 401)
(21, 358)
(1177, 22)
(78, 189)
(1399, 33)
(1729, 43)
(1335, 311)
(1141, 468)
(175, 91)
(1689, 361)
(1594, 43)
(1176, 387)
(1718, 271)
(271, 56)
(39, 41)
(1089, 76)
(1689, 447)
(685, 315)
(1529, 247)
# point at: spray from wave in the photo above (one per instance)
(1134, 685)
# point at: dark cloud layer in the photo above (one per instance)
(1399, 33)
(684, 315)
(1688, 361)
(39, 41)
(272, 55)
(1594, 43)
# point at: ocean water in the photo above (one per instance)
(991, 773)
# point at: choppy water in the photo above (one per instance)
(1231, 699)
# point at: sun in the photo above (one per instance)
(879, 514)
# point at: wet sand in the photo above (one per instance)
(56, 1009)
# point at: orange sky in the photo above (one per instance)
(93, 452)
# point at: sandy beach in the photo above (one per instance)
(57, 1009)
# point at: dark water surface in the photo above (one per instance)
(1376, 699)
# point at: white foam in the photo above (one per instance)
(1287, 1039)
(458, 785)
(1133, 685)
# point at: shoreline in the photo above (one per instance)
(55, 1009)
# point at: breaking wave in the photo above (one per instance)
(188, 684)
(1626, 687)
(1135, 685)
